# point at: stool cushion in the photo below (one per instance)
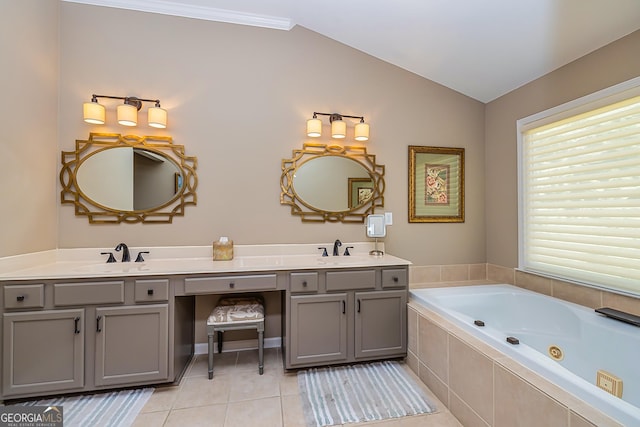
(237, 310)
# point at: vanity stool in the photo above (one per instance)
(233, 313)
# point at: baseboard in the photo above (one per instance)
(240, 345)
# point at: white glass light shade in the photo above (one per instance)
(362, 131)
(127, 114)
(314, 128)
(338, 129)
(157, 117)
(93, 113)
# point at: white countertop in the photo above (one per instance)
(88, 263)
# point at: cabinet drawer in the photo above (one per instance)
(304, 282)
(207, 285)
(152, 290)
(344, 280)
(88, 293)
(24, 296)
(394, 277)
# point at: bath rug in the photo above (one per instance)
(112, 409)
(357, 393)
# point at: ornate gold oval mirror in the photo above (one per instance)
(332, 183)
(112, 178)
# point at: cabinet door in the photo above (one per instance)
(318, 328)
(131, 344)
(380, 324)
(43, 351)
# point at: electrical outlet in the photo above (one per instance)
(388, 218)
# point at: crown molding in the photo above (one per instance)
(193, 11)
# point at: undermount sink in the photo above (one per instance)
(120, 267)
(345, 260)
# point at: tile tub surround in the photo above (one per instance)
(483, 387)
(433, 276)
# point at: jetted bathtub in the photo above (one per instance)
(564, 342)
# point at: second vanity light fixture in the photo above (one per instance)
(338, 126)
(127, 112)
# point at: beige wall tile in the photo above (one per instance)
(413, 362)
(577, 294)
(576, 420)
(500, 274)
(477, 271)
(517, 403)
(435, 384)
(433, 348)
(465, 414)
(621, 302)
(533, 282)
(471, 378)
(455, 273)
(412, 330)
(424, 274)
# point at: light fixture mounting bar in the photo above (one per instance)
(132, 100)
(336, 116)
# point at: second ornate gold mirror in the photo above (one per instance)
(332, 183)
(112, 178)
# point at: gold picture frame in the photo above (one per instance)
(436, 184)
(360, 191)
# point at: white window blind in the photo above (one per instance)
(580, 201)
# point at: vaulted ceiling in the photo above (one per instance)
(481, 48)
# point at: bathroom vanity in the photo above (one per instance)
(77, 326)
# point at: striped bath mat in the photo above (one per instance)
(113, 409)
(357, 393)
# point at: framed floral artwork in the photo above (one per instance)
(436, 184)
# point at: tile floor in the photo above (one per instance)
(238, 396)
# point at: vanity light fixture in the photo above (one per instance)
(338, 126)
(127, 112)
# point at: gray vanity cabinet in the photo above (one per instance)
(43, 351)
(85, 335)
(318, 329)
(380, 323)
(132, 344)
(343, 316)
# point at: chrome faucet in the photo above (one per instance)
(336, 245)
(125, 252)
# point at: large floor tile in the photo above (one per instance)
(251, 386)
(262, 412)
(209, 416)
(238, 396)
(201, 391)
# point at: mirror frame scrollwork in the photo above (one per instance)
(310, 213)
(99, 214)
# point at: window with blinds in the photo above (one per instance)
(580, 196)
